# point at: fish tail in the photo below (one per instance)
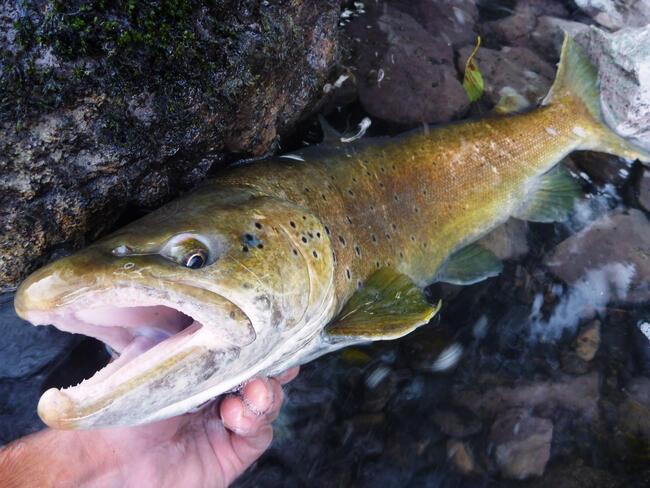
(577, 81)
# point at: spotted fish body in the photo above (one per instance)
(278, 262)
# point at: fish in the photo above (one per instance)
(275, 263)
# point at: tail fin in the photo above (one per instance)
(577, 78)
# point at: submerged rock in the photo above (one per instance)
(461, 456)
(104, 106)
(588, 341)
(521, 444)
(405, 75)
(508, 241)
(613, 251)
(578, 394)
(622, 59)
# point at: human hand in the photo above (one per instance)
(208, 448)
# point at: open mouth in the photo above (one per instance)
(162, 349)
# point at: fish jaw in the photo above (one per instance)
(175, 343)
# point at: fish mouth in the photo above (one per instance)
(166, 343)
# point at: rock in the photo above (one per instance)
(644, 190)
(454, 21)
(457, 422)
(25, 349)
(515, 67)
(611, 253)
(578, 394)
(104, 107)
(577, 476)
(508, 241)
(588, 341)
(522, 444)
(622, 59)
(617, 14)
(405, 74)
(461, 456)
(548, 35)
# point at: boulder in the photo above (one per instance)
(521, 444)
(615, 14)
(612, 251)
(107, 106)
(405, 74)
(622, 59)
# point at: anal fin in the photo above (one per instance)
(552, 198)
(388, 306)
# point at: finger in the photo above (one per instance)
(246, 414)
(288, 375)
(278, 397)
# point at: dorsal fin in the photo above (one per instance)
(552, 198)
(388, 306)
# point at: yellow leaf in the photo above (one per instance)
(473, 80)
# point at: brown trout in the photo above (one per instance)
(277, 262)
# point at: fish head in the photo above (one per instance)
(195, 297)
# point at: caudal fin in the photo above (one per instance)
(577, 78)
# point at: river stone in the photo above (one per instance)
(620, 238)
(461, 456)
(615, 14)
(405, 74)
(588, 341)
(623, 62)
(516, 67)
(508, 241)
(522, 444)
(104, 107)
(25, 349)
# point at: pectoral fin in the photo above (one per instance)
(552, 199)
(388, 306)
(470, 265)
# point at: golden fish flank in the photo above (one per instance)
(278, 262)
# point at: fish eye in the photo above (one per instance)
(188, 252)
(195, 260)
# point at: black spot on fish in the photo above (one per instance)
(359, 284)
(347, 273)
(304, 239)
(372, 208)
(373, 237)
(354, 179)
(260, 246)
(396, 198)
(258, 225)
(342, 240)
(382, 169)
(413, 238)
(304, 217)
(311, 236)
(357, 249)
(306, 190)
(394, 227)
(315, 254)
(318, 234)
(351, 192)
(388, 236)
(348, 219)
(368, 173)
(327, 229)
(244, 248)
(381, 184)
(292, 224)
(323, 196)
(416, 209)
(295, 252)
(377, 264)
(401, 254)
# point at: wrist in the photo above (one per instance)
(57, 458)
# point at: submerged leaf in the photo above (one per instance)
(473, 80)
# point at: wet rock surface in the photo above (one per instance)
(106, 107)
